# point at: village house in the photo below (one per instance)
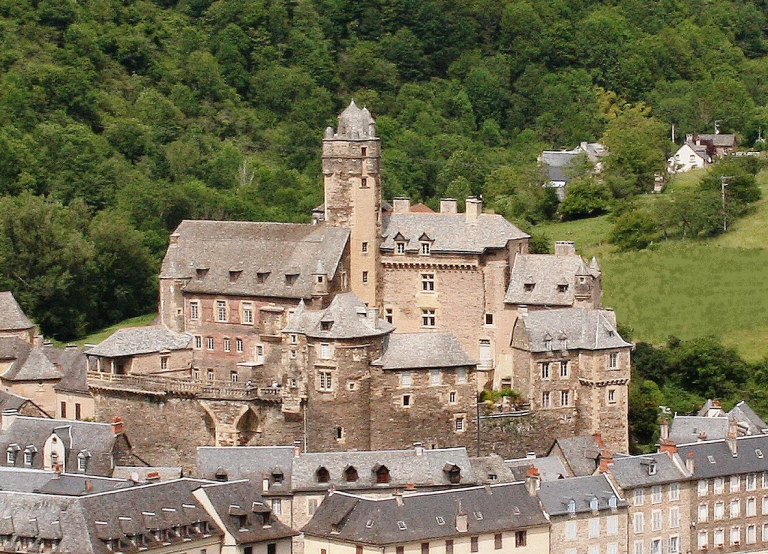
(13, 321)
(559, 164)
(587, 514)
(729, 489)
(712, 422)
(502, 518)
(296, 482)
(658, 489)
(64, 445)
(13, 403)
(52, 512)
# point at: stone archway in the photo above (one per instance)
(226, 416)
(247, 427)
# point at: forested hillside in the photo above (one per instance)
(120, 118)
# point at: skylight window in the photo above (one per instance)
(478, 515)
(711, 459)
(402, 526)
(759, 453)
(369, 524)
(440, 520)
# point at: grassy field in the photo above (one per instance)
(99, 336)
(687, 289)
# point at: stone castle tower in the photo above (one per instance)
(352, 179)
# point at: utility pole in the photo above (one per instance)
(723, 184)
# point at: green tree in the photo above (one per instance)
(584, 197)
(633, 229)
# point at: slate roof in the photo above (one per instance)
(405, 467)
(449, 233)
(354, 123)
(207, 251)
(687, 428)
(546, 272)
(247, 462)
(751, 450)
(345, 318)
(12, 317)
(29, 362)
(489, 509)
(574, 328)
(550, 467)
(242, 498)
(747, 417)
(633, 471)
(557, 162)
(95, 438)
(720, 139)
(423, 351)
(132, 341)
(10, 401)
(580, 454)
(492, 469)
(147, 473)
(556, 495)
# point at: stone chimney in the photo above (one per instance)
(531, 455)
(117, 426)
(701, 437)
(296, 449)
(565, 248)
(605, 461)
(599, 440)
(664, 428)
(730, 439)
(265, 482)
(532, 480)
(419, 448)
(448, 206)
(88, 485)
(669, 446)
(401, 204)
(398, 494)
(373, 317)
(462, 522)
(174, 239)
(9, 416)
(522, 310)
(690, 464)
(474, 209)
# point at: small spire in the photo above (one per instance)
(582, 268)
(593, 264)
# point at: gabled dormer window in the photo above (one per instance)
(425, 248)
(290, 279)
(201, 272)
(562, 288)
(326, 325)
(382, 474)
(350, 474)
(234, 275)
(261, 277)
(322, 475)
(594, 504)
(571, 506)
(652, 468)
(400, 247)
(529, 285)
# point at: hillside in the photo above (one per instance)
(687, 289)
(120, 118)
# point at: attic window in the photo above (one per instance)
(594, 504)
(382, 474)
(402, 526)
(759, 453)
(610, 333)
(350, 474)
(711, 459)
(425, 248)
(478, 515)
(277, 475)
(440, 520)
(400, 247)
(516, 510)
(612, 502)
(454, 474)
(528, 287)
(290, 279)
(261, 277)
(234, 274)
(326, 325)
(322, 475)
(369, 524)
(562, 288)
(201, 272)
(571, 506)
(652, 468)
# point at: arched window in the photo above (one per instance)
(350, 474)
(322, 475)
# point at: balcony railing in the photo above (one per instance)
(224, 390)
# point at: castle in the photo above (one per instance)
(374, 327)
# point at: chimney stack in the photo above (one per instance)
(398, 494)
(664, 428)
(117, 426)
(532, 480)
(701, 437)
(448, 206)
(474, 209)
(565, 248)
(690, 464)
(605, 461)
(9, 416)
(599, 440)
(669, 446)
(419, 447)
(462, 522)
(730, 439)
(401, 204)
(373, 317)
(296, 449)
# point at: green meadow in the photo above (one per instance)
(689, 288)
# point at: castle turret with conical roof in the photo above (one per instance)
(588, 290)
(352, 178)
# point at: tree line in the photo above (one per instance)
(139, 113)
